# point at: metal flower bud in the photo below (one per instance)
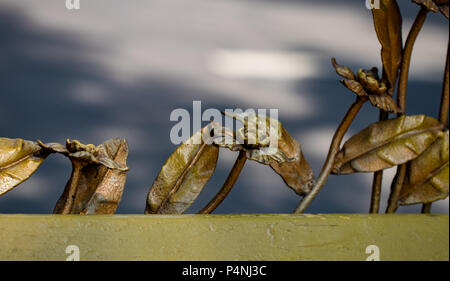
(367, 83)
(368, 79)
(382, 88)
(255, 137)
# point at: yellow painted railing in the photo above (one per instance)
(225, 237)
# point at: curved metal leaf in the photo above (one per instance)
(183, 176)
(386, 144)
(109, 189)
(343, 70)
(385, 102)
(388, 26)
(355, 87)
(19, 159)
(427, 179)
(286, 158)
(297, 174)
(94, 188)
(83, 152)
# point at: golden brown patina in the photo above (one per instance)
(183, 176)
(366, 83)
(387, 143)
(19, 159)
(427, 175)
(286, 158)
(98, 176)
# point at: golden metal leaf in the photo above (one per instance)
(388, 26)
(224, 137)
(297, 174)
(84, 152)
(19, 159)
(343, 70)
(255, 138)
(95, 185)
(109, 190)
(183, 176)
(385, 102)
(355, 87)
(286, 158)
(428, 174)
(386, 144)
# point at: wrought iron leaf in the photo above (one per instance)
(297, 174)
(183, 176)
(225, 137)
(98, 177)
(19, 159)
(386, 144)
(84, 152)
(385, 102)
(286, 158)
(109, 190)
(428, 174)
(355, 87)
(388, 26)
(343, 70)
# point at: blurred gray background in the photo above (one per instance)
(118, 69)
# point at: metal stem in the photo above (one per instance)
(334, 149)
(401, 99)
(227, 186)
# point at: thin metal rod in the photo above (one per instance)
(406, 58)
(376, 192)
(377, 179)
(426, 208)
(334, 149)
(227, 186)
(443, 110)
(396, 189)
(401, 99)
